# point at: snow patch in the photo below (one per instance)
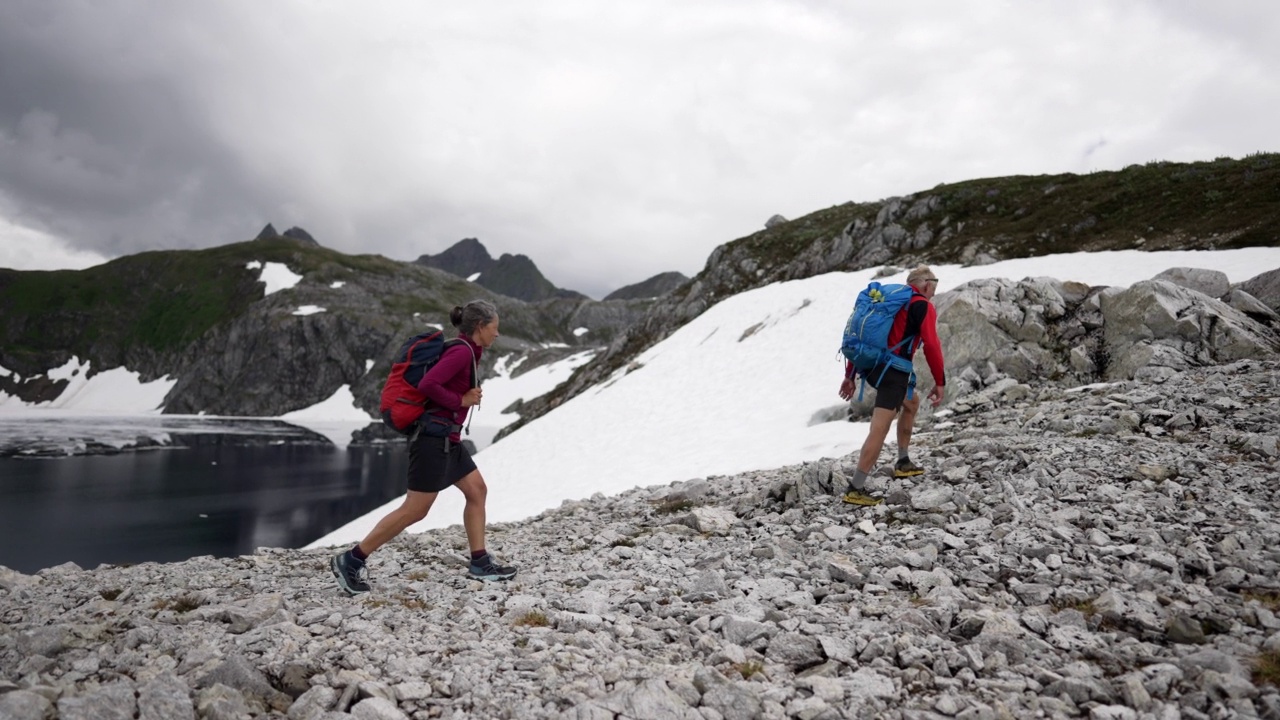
(277, 276)
(337, 284)
(336, 417)
(117, 391)
(473, 277)
(339, 406)
(368, 365)
(579, 332)
(69, 369)
(308, 310)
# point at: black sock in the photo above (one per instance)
(358, 554)
(478, 555)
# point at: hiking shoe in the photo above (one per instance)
(906, 468)
(488, 570)
(350, 572)
(866, 498)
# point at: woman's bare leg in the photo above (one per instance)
(473, 515)
(414, 508)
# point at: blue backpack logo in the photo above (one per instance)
(866, 335)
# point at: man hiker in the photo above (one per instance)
(917, 321)
(437, 463)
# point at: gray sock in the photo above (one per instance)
(859, 480)
(902, 454)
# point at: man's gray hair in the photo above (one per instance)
(920, 274)
(476, 314)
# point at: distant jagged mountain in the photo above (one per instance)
(512, 275)
(466, 258)
(654, 287)
(294, 233)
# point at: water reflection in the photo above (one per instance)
(210, 495)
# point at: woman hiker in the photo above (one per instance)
(435, 463)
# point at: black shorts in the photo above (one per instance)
(891, 390)
(431, 469)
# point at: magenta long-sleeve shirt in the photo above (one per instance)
(449, 379)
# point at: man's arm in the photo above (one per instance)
(933, 354)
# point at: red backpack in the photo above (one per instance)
(403, 405)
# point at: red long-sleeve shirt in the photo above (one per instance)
(449, 379)
(919, 320)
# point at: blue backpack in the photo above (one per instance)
(866, 335)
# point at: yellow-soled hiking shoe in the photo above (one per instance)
(905, 468)
(861, 497)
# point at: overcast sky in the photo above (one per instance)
(607, 141)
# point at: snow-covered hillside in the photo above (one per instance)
(744, 386)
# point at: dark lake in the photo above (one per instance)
(207, 494)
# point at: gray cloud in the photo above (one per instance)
(609, 143)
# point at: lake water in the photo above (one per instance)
(208, 493)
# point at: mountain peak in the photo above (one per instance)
(515, 276)
(297, 233)
(464, 258)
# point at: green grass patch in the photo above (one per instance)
(183, 604)
(1085, 607)
(670, 507)
(1266, 669)
(1269, 599)
(533, 618)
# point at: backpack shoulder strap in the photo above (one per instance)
(475, 371)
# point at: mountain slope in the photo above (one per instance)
(1036, 570)
(202, 318)
(1221, 204)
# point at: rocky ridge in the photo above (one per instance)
(1108, 551)
(970, 223)
(654, 287)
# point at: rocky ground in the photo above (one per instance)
(1106, 552)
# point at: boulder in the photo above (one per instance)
(1265, 287)
(1213, 283)
(1156, 324)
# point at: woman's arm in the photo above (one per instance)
(455, 360)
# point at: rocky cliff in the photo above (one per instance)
(1107, 551)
